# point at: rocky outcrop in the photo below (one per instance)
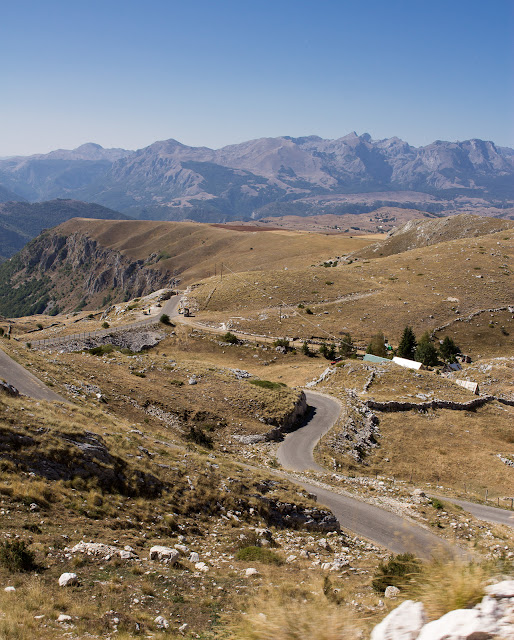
(75, 269)
(293, 516)
(491, 618)
(286, 423)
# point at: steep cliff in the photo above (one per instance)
(60, 273)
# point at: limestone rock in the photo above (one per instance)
(68, 580)
(251, 571)
(391, 592)
(462, 624)
(161, 622)
(403, 623)
(166, 554)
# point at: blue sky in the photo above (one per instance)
(125, 73)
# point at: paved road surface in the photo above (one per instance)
(24, 381)
(376, 524)
(484, 512)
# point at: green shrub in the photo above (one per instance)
(198, 436)
(281, 342)
(105, 325)
(139, 374)
(101, 350)
(165, 319)
(230, 338)
(309, 311)
(397, 571)
(15, 556)
(267, 384)
(437, 504)
(259, 554)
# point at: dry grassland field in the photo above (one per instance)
(176, 444)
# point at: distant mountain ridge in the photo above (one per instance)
(268, 176)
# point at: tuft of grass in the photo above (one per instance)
(259, 554)
(444, 585)
(15, 556)
(267, 384)
(396, 572)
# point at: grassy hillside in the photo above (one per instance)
(425, 288)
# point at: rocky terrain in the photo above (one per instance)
(151, 500)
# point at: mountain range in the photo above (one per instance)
(270, 176)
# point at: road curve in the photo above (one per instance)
(26, 382)
(29, 385)
(483, 512)
(376, 524)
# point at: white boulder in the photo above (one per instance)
(194, 557)
(403, 623)
(251, 571)
(68, 579)
(391, 591)
(161, 622)
(461, 624)
(166, 554)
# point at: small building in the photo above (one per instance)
(452, 366)
(369, 357)
(408, 364)
(470, 386)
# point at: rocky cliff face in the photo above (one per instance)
(59, 272)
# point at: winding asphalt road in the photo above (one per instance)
(29, 385)
(375, 524)
(24, 381)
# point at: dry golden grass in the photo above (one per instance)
(195, 248)
(296, 612)
(445, 585)
(423, 288)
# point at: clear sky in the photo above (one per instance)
(125, 73)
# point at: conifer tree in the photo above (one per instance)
(426, 353)
(407, 346)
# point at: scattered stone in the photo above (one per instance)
(194, 557)
(391, 592)
(251, 571)
(166, 554)
(183, 627)
(63, 618)
(201, 566)
(68, 580)
(104, 550)
(9, 589)
(161, 622)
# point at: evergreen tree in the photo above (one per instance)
(426, 353)
(448, 350)
(346, 346)
(407, 346)
(377, 345)
(305, 349)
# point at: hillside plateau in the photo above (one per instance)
(272, 177)
(172, 442)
